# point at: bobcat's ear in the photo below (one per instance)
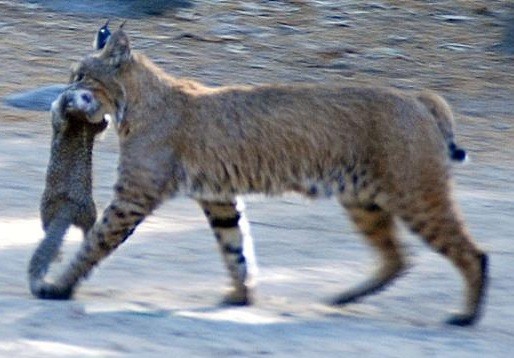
(117, 49)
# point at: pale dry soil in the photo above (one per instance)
(158, 294)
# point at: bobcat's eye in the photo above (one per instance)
(78, 77)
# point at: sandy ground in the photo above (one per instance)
(158, 294)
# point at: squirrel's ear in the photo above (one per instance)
(117, 49)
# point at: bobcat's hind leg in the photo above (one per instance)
(378, 228)
(232, 232)
(438, 222)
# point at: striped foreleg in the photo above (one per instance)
(128, 208)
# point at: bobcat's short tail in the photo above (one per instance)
(443, 116)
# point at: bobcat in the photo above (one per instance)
(67, 198)
(383, 153)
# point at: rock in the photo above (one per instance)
(39, 99)
(454, 46)
(455, 18)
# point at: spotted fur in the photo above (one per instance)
(384, 154)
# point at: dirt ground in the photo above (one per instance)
(158, 294)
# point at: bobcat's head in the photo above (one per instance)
(97, 76)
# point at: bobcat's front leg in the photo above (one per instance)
(232, 231)
(128, 208)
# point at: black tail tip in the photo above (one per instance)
(457, 154)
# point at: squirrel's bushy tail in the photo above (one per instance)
(46, 252)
